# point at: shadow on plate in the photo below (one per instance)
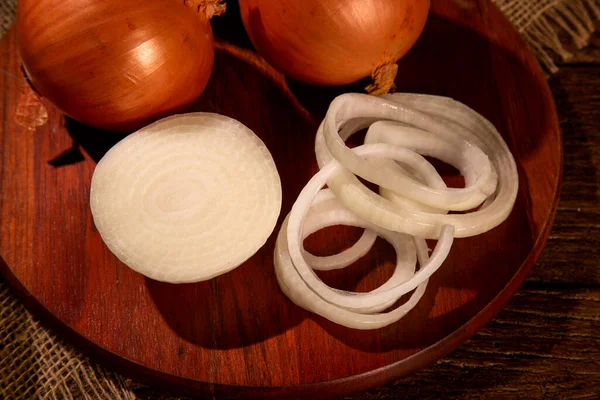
(95, 142)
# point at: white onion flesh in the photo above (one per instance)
(316, 209)
(413, 199)
(326, 211)
(356, 302)
(440, 116)
(301, 293)
(186, 198)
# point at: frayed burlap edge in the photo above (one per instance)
(35, 364)
(545, 24)
(8, 8)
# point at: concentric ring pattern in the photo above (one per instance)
(187, 198)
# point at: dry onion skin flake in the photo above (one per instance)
(187, 198)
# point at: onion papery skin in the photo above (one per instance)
(333, 42)
(115, 65)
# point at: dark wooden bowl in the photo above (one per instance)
(238, 336)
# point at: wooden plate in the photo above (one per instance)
(238, 335)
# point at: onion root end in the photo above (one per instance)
(207, 8)
(383, 79)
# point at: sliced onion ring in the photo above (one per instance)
(327, 211)
(357, 302)
(355, 105)
(413, 198)
(445, 117)
(302, 295)
(343, 259)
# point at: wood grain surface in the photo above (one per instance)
(231, 336)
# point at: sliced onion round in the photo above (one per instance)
(413, 199)
(186, 198)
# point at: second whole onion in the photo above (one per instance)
(117, 65)
(335, 42)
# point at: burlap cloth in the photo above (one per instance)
(36, 364)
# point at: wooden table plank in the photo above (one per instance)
(571, 254)
(527, 350)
